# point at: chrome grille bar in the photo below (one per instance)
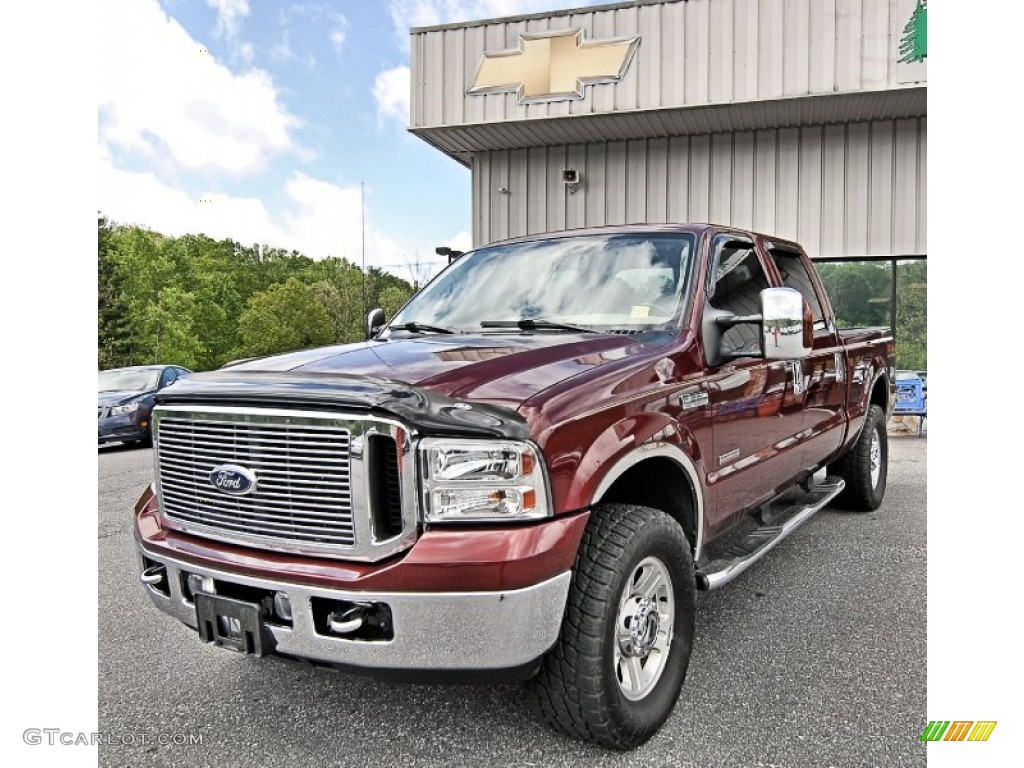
(310, 493)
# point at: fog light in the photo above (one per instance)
(282, 606)
(197, 584)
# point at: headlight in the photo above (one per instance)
(482, 481)
(124, 410)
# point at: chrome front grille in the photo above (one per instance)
(310, 492)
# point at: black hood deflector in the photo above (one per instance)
(425, 411)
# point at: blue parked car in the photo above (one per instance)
(126, 400)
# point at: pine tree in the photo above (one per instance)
(914, 43)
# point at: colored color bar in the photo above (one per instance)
(985, 728)
(934, 730)
(958, 731)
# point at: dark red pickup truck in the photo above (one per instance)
(528, 472)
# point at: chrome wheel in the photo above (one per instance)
(875, 457)
(643, 628)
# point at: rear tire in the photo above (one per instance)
(616, 670)
(865, 466)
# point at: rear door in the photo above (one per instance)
(823, 372)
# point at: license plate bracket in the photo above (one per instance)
(232, 624)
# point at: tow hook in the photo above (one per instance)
(153, 575)
(349, 620)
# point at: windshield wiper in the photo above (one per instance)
(414, 327)
(532, 324)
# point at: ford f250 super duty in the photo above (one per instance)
(527, 472)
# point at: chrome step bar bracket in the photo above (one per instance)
(761, 540)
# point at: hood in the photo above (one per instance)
(504, 369)
(116, 397)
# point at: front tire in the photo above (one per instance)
(865, 466)
(615, 673)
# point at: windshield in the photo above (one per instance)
(611, 282)
(128, 380)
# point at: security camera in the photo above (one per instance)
(570, 176)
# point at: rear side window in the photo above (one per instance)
(794, 275)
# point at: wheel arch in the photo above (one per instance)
(653, 475)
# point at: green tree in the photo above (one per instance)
(912, 315)
(914, 43)
(285, 317)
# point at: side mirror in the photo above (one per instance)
(786, 325)
(374, 322)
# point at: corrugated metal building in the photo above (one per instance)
(793, 117)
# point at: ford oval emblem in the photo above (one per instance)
(233, 479)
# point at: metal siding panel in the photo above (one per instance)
(615, 183)
(764, 181)
(809, 211)
(880, 202)
(700, 178)
(922, 187)
(787, 184)
(494, 103)
(906, 176)
(771, 49)
(823, 46)
(672, 54)
(585, 106)
(454, 87)
(858, 162)
(482, 198)
(679, 179)
(875, 47)
(558, 198)
(513, 31)
(833, 191)
(519, 192)
(743, 180)
(745, 50)
(636, 182)
(849, 30)
(657, 180)
(650, 55)
(416, 80)
(537, 190)
(720, 87)
(602, 96)
(434, 71)
(797, 48)
(499, 199)
(627, 90)
(473, 51)
(594, 186)
(720, 202)
(696, 52)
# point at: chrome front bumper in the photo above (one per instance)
(433, 631)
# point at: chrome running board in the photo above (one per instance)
(751, 548)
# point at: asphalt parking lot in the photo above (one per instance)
(814, 657)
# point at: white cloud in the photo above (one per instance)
(322, 219)
(391, 90)
(230, 14)
(339, 31)
(460, 241)
(161, 92)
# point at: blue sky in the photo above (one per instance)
(257, 121)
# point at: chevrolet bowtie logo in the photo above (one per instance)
(554, 66)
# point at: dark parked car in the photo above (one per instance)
(126, 400)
